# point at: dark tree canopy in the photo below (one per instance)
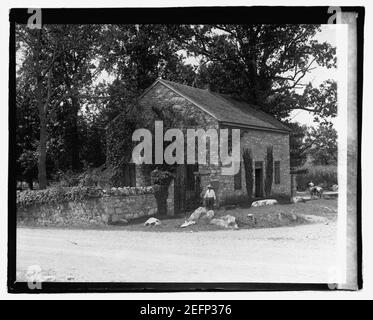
(261, 64)
(73, 80)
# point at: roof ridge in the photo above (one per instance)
(253, 107)
(224, 107)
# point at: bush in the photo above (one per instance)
(65, 179)
(325, 176)
(91, 177)
(161, 180)
(56, 195)
(161, 177)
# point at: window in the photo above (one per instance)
(237, 179)
(277, 172)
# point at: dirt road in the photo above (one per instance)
(288, 254)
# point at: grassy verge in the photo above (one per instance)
(266, 217)
(280, 215)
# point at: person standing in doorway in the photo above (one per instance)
(210, 197)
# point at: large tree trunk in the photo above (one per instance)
(42, 150)
(75, 164)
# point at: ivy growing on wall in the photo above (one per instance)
(269, 171)
(161, 180)
(119, 140)
(248, 164)
(119, 144)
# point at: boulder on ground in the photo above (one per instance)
(210, 214)
(197, 214)
(227, 221)
(335, 187)
(297, 199)
(187, 224)
(265, 202)
(152, 222)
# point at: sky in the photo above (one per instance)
(318, 75)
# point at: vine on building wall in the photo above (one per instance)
(248, 164)
(161, 180)
(269, 171)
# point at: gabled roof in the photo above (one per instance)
(224, 108)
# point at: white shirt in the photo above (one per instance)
(210, 193)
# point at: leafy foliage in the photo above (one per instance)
(262, 64)
(298, 149)
(161, 177)
(119, 142)
(56, 195)
(249, 177)
(64, 107)
(325, 176)
(324, 147)
(161, 180)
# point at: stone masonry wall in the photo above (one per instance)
(186, 115)
(258, 141)
(181, 114)
(108, 209)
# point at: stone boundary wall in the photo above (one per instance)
(115, 206)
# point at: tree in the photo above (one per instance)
(40, 54)
(74, 72)
(44, 53)
(298, 148)
(323, 142)
(138, 54)
(262, 64)
(26, 133)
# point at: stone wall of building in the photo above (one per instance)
(179, 112)
(258, 141)
(184, 114)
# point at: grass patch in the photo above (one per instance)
(266, 217)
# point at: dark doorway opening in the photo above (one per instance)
(258, 179)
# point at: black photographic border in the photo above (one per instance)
(174, 15)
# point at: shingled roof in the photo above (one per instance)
(225, 109)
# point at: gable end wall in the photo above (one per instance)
(257, 140)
